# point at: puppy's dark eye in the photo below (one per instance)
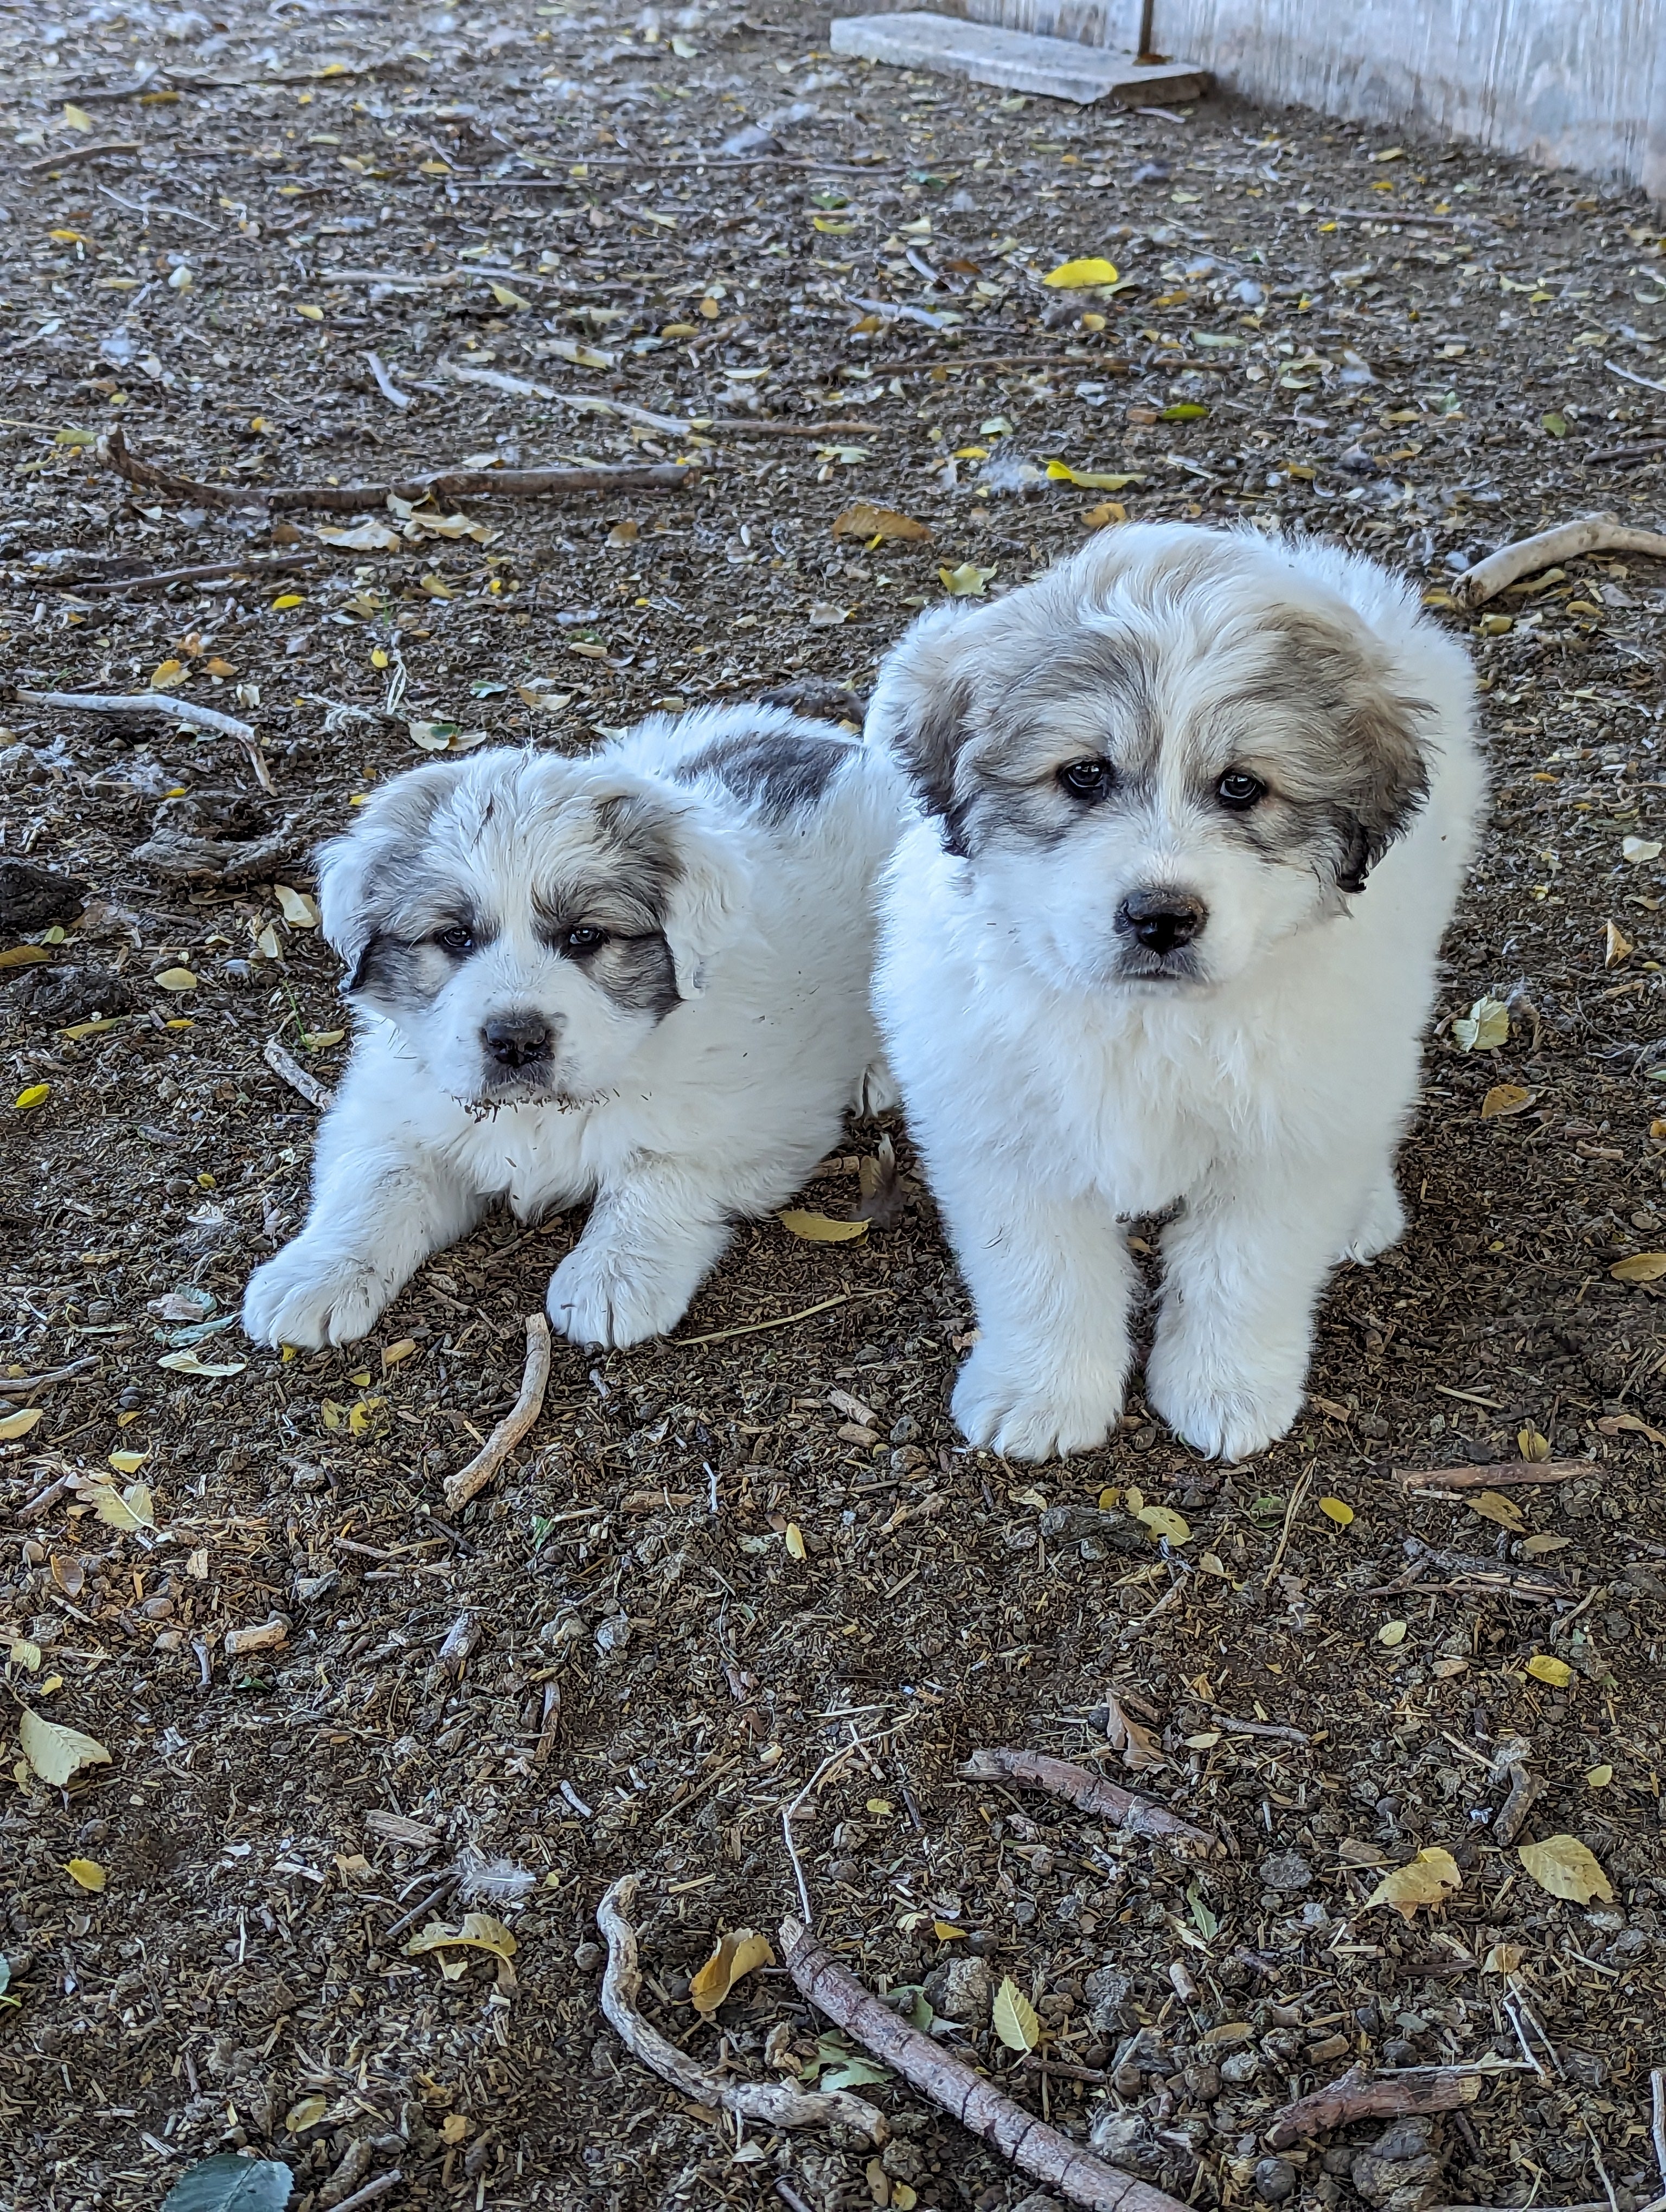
(582, 939)
(1087, 779)
(1240, 790)
(456, 939)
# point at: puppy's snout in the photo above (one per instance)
(1161, 918)
(516, 1040)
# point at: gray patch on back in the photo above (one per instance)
(778, 773)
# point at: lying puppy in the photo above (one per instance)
(1202, 806)
(641, 978)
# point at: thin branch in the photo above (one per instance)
(371, 2190)
(445, 485)
(770, 2102)
(1353, 2098)
(206, 571)
(1657, 2128)
(385, 383)
(469, 1480)
(1034, 2148)
(25, 1386)
(154, 706)
(1089, 1793)
(286, 1066)
(1597, 533)
(1489, 1478)
(72, 154)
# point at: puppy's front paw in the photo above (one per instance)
(1228, 1407)
(1382, 1222)
(604, 1295)
(1025, 1407)
(310, 1296)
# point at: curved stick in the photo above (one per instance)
(1597, 533)
(768, 2101)
(161, 705)
(1090, 1793)
(1034, 2148)
(469, 1481)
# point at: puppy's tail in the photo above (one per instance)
(820, 698)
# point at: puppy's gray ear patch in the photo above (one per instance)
(1367, 757)
(921, 712)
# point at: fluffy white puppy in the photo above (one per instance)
(639, 978)
(1200, 807)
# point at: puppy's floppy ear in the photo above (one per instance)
(921, 712)
(1365, 752)
(377, 857)
(699, 883)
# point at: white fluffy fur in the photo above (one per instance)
(674, 1126)
(1051, 1095)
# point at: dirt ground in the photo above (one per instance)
(724, 1560)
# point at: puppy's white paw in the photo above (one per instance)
(1382, 1222)
(610, 1295)
(1227, 1406)
(311, 1295)
(876, 1090)
(1022, 1409)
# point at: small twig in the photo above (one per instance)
(1034, 2148)
(385, 383)
(371, 2190)
(783, 1320)
(1037, 2061)
(1353, 2098)
(469, 1480)
(565, 184)
(1528, 556)
(1103, 364)
(1261, 1727)
(744, 425)
(770, 2102)
(446, 485)
(435, 1897)
(72, 154)
(1090, 1793)
(1136, 1629)
(160, 706)
(25, 1386)
(43, 1499)
(1525, 1787)
(1298, 1499)
(285, 1065)
(270, 565)
(1489, 1478)
(1631, 376)
(1658, 2125)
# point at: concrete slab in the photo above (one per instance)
(1017, 61)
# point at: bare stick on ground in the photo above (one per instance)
(770, 2102)
(1657, 2087)
(1353, 2098)
(385, 383)
(1090, 1793)
(469, 1480)
(444, 484)
(72, 154)
(1525, 1787)
(25, 1386)
(162, 707)
(1034, 2148)
(1490, 1477)
(289, 1069)
(205, 573)
(1597, 533)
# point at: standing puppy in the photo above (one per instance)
(1200, 804)
(640, 978)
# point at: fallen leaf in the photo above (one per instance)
(965, 582)
(1616, 947)
(32, 1095)
(505, 298)
(1186, 410)
(1089, 479)
(87, 1872)
(1544, 1667)
(1084, 276)
(167, 674)
(306, 2114)
(1506, 1098)
(56, 1753)
(1502, 1959)
(737, 1954)
(1636, 850)
(454, 2128)
(823, 615)
(1563, 1865)
(1107, 512)
(1336, 1510)
(132, 1509)
(1013, 2017)
(1137, 1744)
(26, 1655)
(312, 315)
(1493, 1505)
(298, 910)
(1538, 1547)
(1614, 1424)
(1641, 1268)
(190, 1362)
(1598, 1777)
(793, 1539)
(175, 979)
(1422, 1881)
(1484, 1028)
(480, 1931)
(285, 600)
(1532, 1445)
(75, 118)
(863, 520)
(1391, 1632)
(1206, 1740)
(13, 1425)
(366, 537)
(228, 2183)
(23, 956)
(445, 737)
(821, 1229)
(1163, 1520)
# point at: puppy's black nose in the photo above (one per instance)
(1162, 920)
(516, 1040)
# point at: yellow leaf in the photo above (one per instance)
(285, 600)
(480, 1931)
(167, 674)
(404, 1348)
(55, 1753)
(77, 119)
(737, 1954)
(32, 1095)
(1641, 1268)
(23, 956)
(1107, 512)
(1502, 1959)
(1563, 1865)
(435, 168)
(1484, 1028)
(1089, 479)
(1391, 1632)
(1014, 2017)
(965, 582)
(1531, 1445)
(1538, 1547)
(13, 1425)
(298, 910)
(1163, 1520)
(1545, 1668)
(1616, 947)
(1422, 1881)
(1337, 1510)
(87, 1872)
(1493, 1505)
(312, 315)
(1206, 1740)
(1107, 1500)
(820, 1229)
(1505, 1098)
(505, 298)
(946, 1932)
(175, 979)
(1638, 850)
(864, 521)
(128, 1462)
(794, 1540)
(115, 1512)
(434, 587)
(1598, 1777)
(306, 2114)
(1080, 277)
(454, 2128)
